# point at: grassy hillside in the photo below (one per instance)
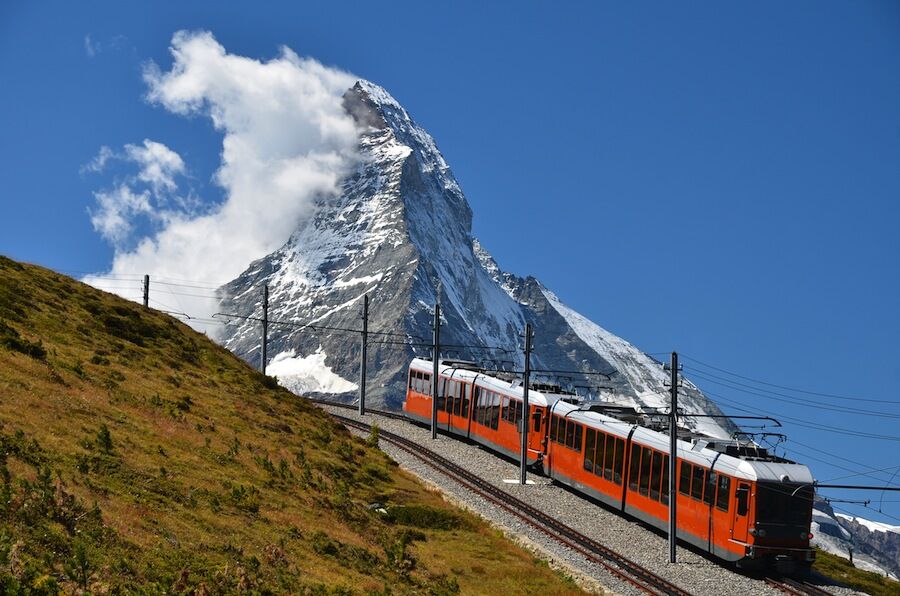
(840, 569)
(138, 455)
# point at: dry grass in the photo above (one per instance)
(138, 455)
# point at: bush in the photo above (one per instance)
(104, 440)
(10, 339)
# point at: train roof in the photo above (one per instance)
(699, 449)
(511, 387)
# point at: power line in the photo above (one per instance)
(314, 326)
(820, 394)
(861, 474)
(791, 399)
(866, 507)
(799, 422)
(196, 287)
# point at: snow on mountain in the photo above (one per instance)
(400, 231)
(840, 534)
(307, 374)
(872, 526)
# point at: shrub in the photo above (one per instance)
(10, 339)
(104, 440)
(423, 516)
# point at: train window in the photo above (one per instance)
(495, 411)
(504, 413)
(570, 433)
(634, 465)
(578, 435)
(664, 489)
(554, 426)
(590, 449)
(519, 407)
(465, 401)
(604, 446)
(684, 480)
(620, 462)
(710, 488)
(697, 482)
(656, 477)
(723, 493)
(442, 394)
(479, 405)
(742, 496)
(447, 393)
(646, 467)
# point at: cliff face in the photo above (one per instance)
(875, 546)
(400, 231)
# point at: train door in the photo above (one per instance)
(535, 431)
(458, 404)
(741, 520)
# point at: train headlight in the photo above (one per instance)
(761, 533)
(807, 535)
(752, 531)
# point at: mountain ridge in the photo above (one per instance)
(401, 231)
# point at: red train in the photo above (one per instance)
(739, 503)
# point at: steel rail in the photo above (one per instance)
(616, 564)
(795, 587)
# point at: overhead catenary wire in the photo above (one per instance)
(799, 422)
(314, 326)
(790, 399)
(866, 507)
(786, 388)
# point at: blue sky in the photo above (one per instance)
(718, 179)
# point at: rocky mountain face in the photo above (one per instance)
(400, 231)
(875, 546)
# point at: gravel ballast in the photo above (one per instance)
(693, 572)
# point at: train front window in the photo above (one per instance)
(783, 504)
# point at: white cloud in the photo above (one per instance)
(286, 139)
(159, 165)
(100, 160)
(90, 48)
(117, 208)
(93, 47)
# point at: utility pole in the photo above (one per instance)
(265, 327)
(436, 371)
(146, 290)
(526, 416)
(673, 458)
(362, 357)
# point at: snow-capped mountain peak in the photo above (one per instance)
(400, 231)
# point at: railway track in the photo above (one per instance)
(795, 587)
(616, 564)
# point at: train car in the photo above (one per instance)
(735, 501)
(474, 405)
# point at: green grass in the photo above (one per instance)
(137, 455)
(840, 570)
